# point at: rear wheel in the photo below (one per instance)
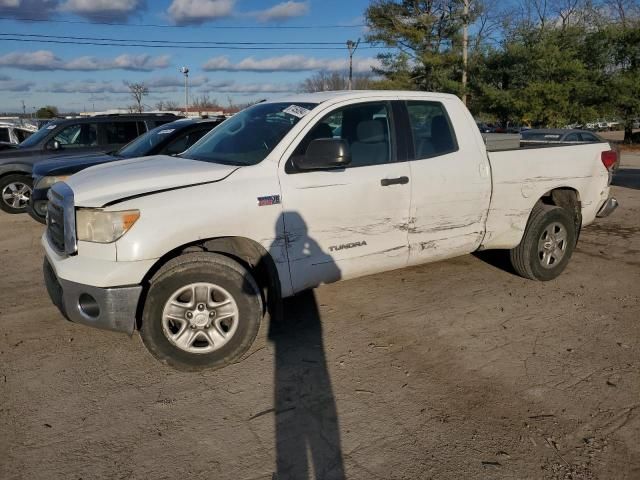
(547, 245)
(15, 192)
(203, 310)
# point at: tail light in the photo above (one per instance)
(609, 158)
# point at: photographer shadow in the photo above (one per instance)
(307, 428)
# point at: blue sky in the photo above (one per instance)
(77, 77)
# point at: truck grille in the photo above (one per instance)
(61, 219)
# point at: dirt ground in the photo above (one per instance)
(454, 370)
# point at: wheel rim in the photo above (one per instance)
(552, 245)
(16, 195)
(200, 318)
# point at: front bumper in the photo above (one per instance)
(112, 308)
(607, 208)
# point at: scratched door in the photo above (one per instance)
(349, 222)
(450, 179)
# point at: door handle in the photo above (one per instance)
(385, 182)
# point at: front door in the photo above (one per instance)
(353, 221)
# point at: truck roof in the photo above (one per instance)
(321, 97)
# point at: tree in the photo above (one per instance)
(138, 91)
(427, 37)
(330, 81)
(49, 111)
(171, 105)
(203, 104)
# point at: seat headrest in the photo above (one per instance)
(370, 131)
(439, 126)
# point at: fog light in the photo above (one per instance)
(88, 305)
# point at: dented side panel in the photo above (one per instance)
(522, 177)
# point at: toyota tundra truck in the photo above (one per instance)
(194, 251)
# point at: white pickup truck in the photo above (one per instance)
(193, 251)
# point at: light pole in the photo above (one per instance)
(352, 46)
(185, 72)
(465, 49)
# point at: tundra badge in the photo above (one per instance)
(268, 200)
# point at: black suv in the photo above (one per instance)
(65, 137)
(168, 139)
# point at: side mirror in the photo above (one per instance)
(55, 145)
(324, 154)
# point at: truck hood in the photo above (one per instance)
(103, 185)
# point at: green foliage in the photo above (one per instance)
(564, 68)
(49, 111)
(426, 35)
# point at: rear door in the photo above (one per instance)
(352, 221)
(450, 181)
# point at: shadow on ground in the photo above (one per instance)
(307, 430)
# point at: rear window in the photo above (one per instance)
(120, 132)
(431, 128)
(541, 136)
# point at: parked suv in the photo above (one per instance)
(11, 134)
(64, 137)
(168, 139)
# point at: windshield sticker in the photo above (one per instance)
(51, 127)
(296, 111)
(164, 132)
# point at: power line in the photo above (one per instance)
(160, 25)
(205, 42)
(169, 45)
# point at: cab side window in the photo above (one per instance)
(78, 135)
(120, 132)
(4, 135)
(432, 132)
(366, 128)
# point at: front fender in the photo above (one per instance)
(8, 168)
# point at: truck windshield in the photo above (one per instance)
(249, 136)
(141, 146)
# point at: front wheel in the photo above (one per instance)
(203, 310)
(547, 245)
(15, 192)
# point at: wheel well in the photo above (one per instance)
(248, 253)
(567, 198)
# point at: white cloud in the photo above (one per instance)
(46, 60)
(86, 86)
(231, 86)
(289, 63)
(282, 11)
(195, 12)
(36, 9)
(8, 84)
(103, 9)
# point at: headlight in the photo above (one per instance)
(46, 182)
(99, 226)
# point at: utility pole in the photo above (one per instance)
(352, 46)
(465, 48)
(24, 109)
(185, 72)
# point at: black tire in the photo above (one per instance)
(32, 213)
(197, 268)
(5, 182)
(525, 258)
